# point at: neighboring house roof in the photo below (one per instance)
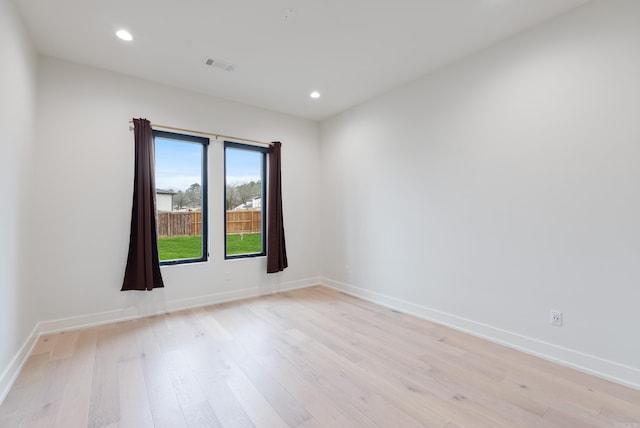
(165, 192)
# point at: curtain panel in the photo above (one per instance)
(143, 265)
(276, 248)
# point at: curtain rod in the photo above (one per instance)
(191, 131)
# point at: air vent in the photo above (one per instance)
(222, 65)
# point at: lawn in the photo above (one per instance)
(190, 247)
(249, 243)
(180, 247)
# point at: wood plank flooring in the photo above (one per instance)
(307, 358)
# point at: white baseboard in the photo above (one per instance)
(10, 374)
(606, 369)
(610, 370)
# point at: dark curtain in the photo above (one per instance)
(276, 249)
(143, 265)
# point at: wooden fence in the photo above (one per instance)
(190, 223)
(180, 223)
(244, 221)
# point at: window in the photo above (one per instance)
(245, 184)
(181, 197)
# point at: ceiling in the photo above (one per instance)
(348, 50)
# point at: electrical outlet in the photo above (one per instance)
(227, 276)
(555, 318)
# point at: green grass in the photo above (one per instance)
(179, 247)
(190, 247)
(248, 243)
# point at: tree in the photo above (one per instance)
(231, 197)
(179, 200)
(193, 195)
(238, 194)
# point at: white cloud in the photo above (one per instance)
(176, 182)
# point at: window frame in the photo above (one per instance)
(263, 203)
(204, 188)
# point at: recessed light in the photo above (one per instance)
(315, 94)
(124, 35)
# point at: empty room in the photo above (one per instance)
(302, 213)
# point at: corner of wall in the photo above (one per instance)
(18, 86)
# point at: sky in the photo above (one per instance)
(243, 166)
(178, 164)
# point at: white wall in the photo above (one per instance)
(501, 187)
(482, 196)
(17, 91)
(84, 167)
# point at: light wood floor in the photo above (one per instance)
(307, 358)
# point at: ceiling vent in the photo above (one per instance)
(222, 65)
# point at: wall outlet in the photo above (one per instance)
(555, 318)
(227, 276)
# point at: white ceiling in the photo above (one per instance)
(349, 50)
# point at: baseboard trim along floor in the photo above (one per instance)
(610, 370)
(310, 357)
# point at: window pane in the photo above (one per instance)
(181, 197)
(244, 189)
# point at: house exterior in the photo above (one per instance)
(164, 200)
(255, 203)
